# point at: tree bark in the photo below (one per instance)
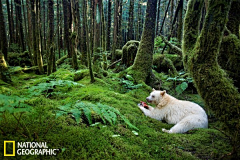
(130, 21)
(50, 38)
(88, 42)
(19, 23)
(108, 38)
(3, 39)
(142, 67)
(200, 59)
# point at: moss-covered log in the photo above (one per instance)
(200, 58)
(142, 67)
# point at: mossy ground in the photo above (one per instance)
(82, 141)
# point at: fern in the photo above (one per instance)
(13, 104)
(107, 113)
(48, 88)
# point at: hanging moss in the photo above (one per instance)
(212, 83)
(229, 57)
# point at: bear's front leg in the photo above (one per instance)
(146, 110)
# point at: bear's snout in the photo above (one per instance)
(148, 100)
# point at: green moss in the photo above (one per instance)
(229, 57)
(129, 52)
(163, 64)
(62, 74)
(81, 141)
(212, 83)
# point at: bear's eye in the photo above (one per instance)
(153, 96)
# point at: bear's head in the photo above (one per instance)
(156, 96)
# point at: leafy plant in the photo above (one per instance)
(180, 83)
(48, 87)
(107, 113)
(128, 83)
(13, 104)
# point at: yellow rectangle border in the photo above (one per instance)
(5, 148)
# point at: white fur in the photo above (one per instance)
(185, 114)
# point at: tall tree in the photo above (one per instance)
(74, 35)
(108, 37)
(97, 24)
(130, 21)
(84, 36)
(19, 23)
(3, 39)
(116, 32)
(200, 59)
(88, 41)
(66, 26)
(11, 38)
(142, 67)
(180, 21)
(4, 74)
(234, 18)
(50, 38)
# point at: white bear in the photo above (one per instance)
(185, 115)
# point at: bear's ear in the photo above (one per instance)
(163, 92)
(153, 89)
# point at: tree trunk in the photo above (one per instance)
(97, 25)
(142, 67)
(108, 38)
(180, 21)
(83, 38)
(234, 18)
(11, 38)
(38, 40)
(12, 22)
(130, 21)
(200, 58)
(158, 17)
(50, 38)
(3, 39)
(19, 23)
(88, 41)
(66, 26)
(74, 36)
(30, 33)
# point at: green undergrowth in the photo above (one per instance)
(97, 120)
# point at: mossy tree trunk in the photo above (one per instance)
(130, 21)
(142, 67)
(74, 36)
(3, 35)
(89, 57)
(50, 40)
(83, 39)
(234, 18)
(200, 58)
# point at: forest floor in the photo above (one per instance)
(63, 112)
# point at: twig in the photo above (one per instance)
(114, 63)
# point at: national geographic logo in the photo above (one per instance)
(5, 148)
(28, 148)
